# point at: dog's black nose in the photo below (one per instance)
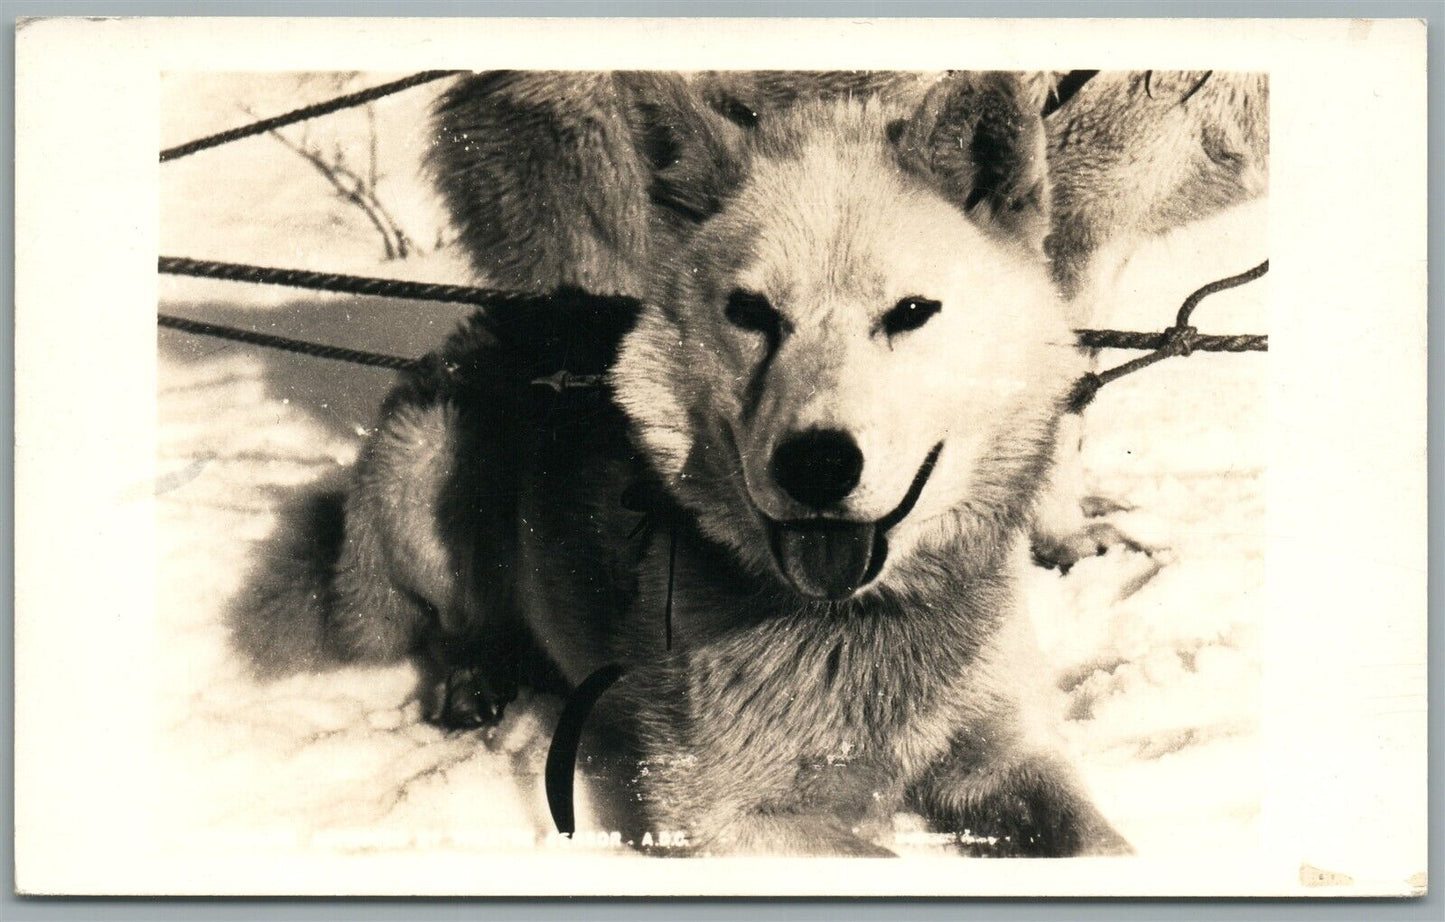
(819, 467)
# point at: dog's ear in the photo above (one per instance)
(695, 154)
(979, 138)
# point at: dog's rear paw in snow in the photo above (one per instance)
(469, 698)
(1093, 540)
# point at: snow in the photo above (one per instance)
(1157, 655)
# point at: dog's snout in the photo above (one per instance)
(819, 467)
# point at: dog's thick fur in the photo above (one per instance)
(488, 518)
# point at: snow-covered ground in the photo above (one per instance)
(1157, 655)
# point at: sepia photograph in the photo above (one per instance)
(609, 465)
(765, 503)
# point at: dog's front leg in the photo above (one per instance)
(759, 807)
(1026, 805)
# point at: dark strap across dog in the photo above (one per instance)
(562, 754)
(560, 773)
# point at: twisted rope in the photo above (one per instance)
(1203, 342)
(318, 350)
(1213, 288)
(346, 284)
(304, 113)
(1181, 340)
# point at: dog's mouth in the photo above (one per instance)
(833, 558)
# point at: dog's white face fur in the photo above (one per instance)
(836, 289)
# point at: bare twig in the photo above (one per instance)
(353, 187)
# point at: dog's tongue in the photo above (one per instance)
(825, 560)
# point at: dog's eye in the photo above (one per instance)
(909, 314)
(738, 112)
(751, 311)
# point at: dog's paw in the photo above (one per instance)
(1063, 551)
(469, 698)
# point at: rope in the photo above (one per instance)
(1128, 339)
(346, 284)
(302, 114)
(1213, 288)
(354, 356)
(1181, 340)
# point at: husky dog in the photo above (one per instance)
(797, 507)
(836, 401)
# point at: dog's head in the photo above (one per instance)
(850, 346)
